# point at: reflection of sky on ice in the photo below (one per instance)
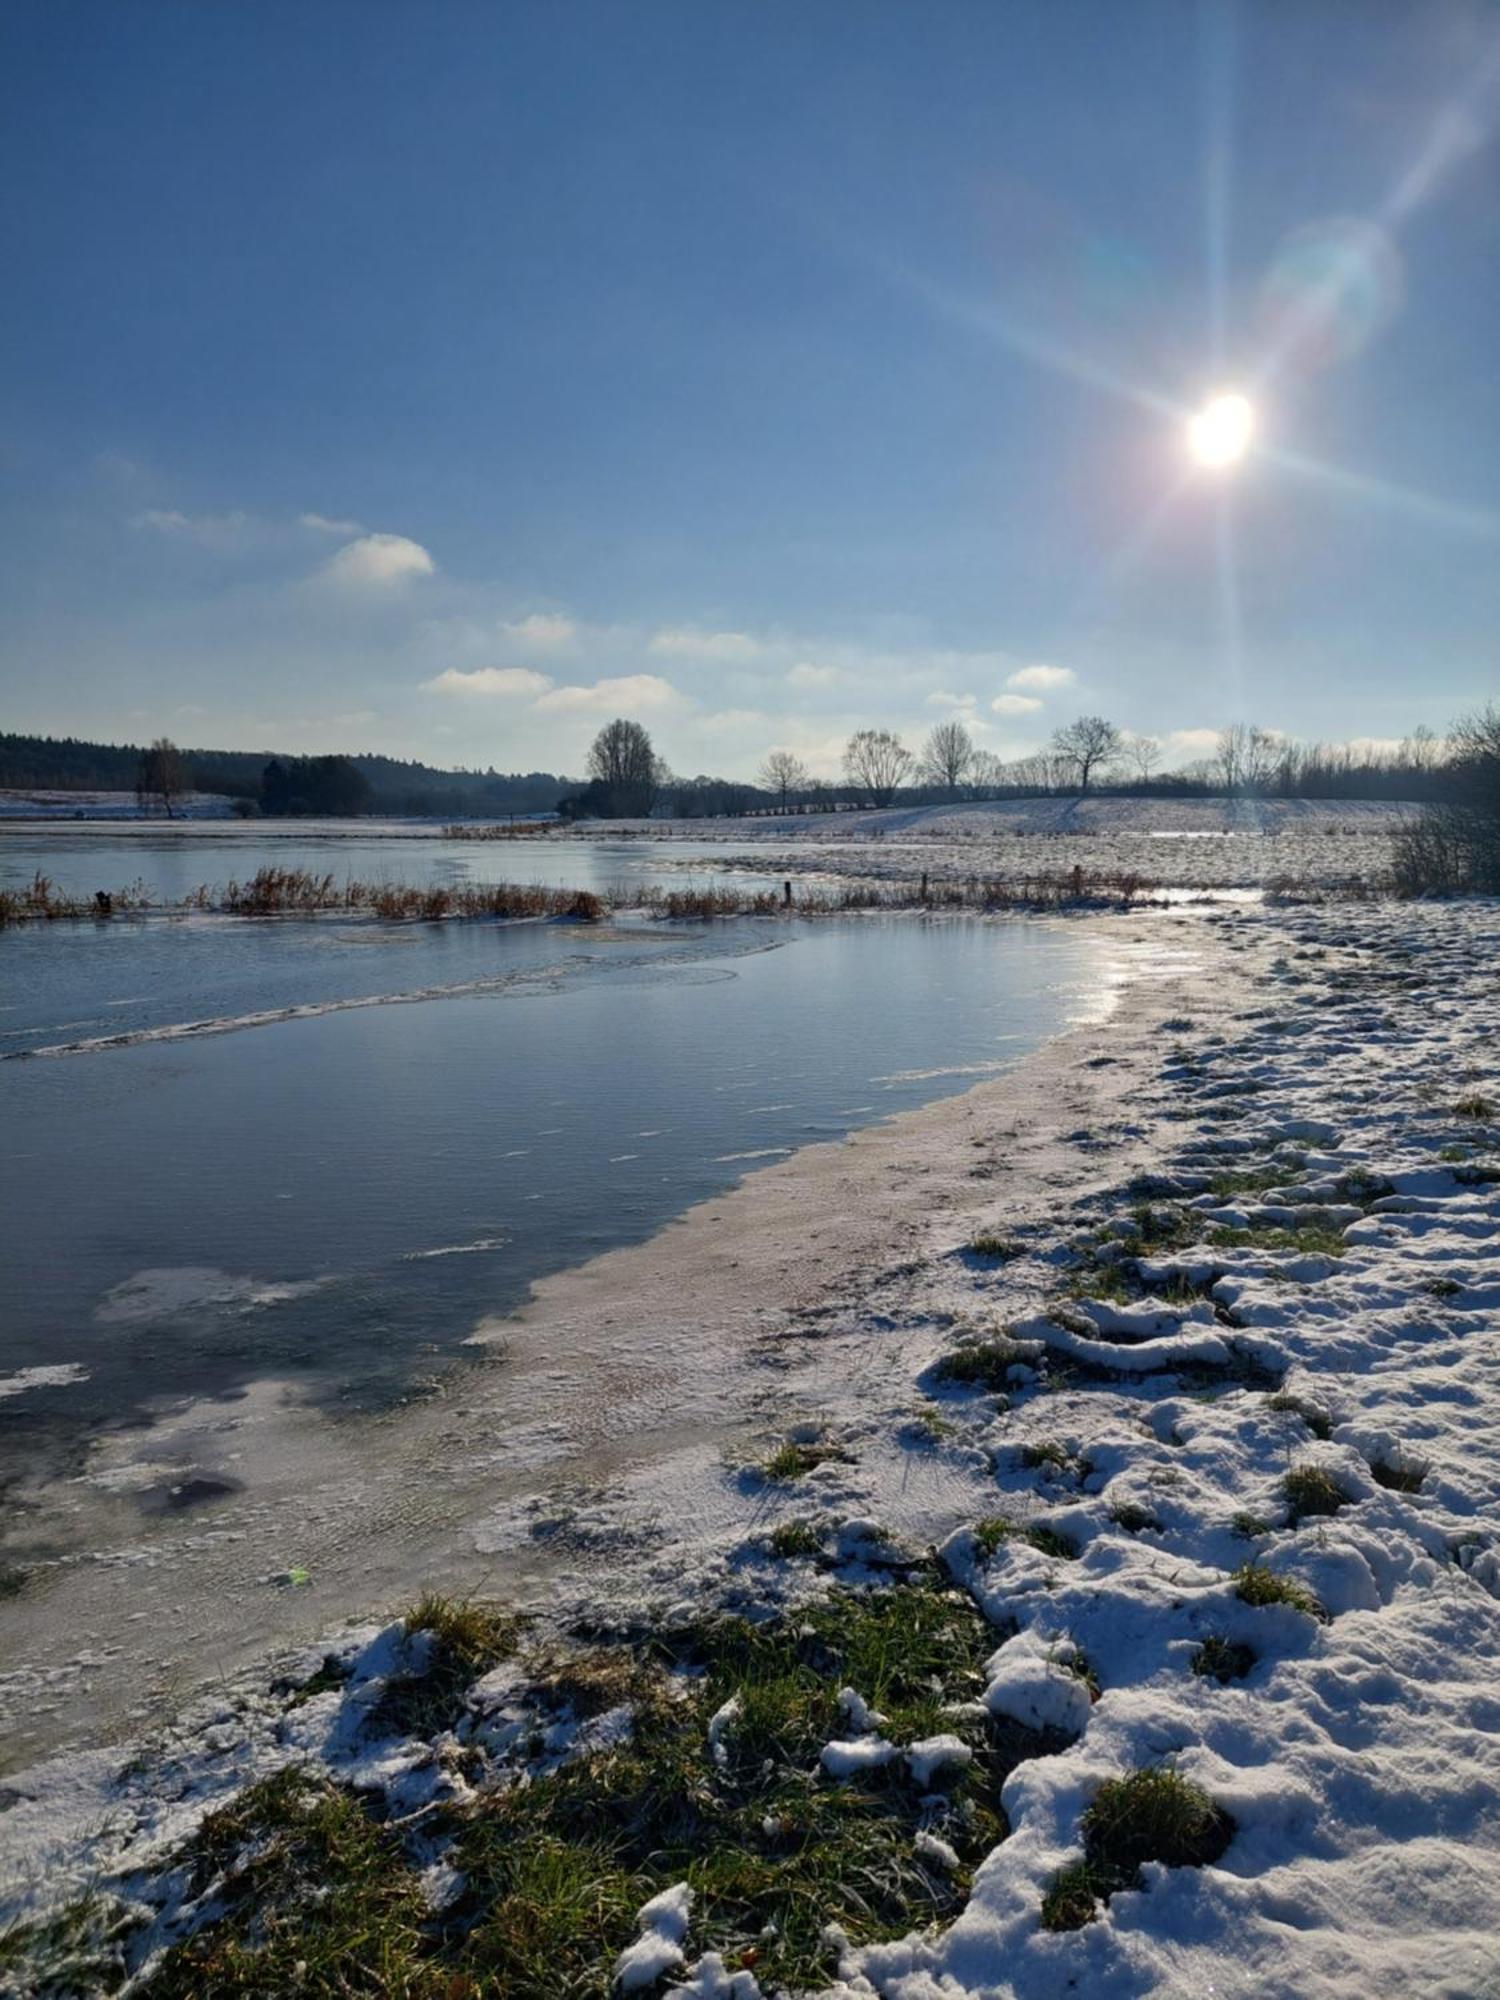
(345, 1194)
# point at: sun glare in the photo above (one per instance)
(1220, 433)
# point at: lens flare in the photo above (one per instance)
(1219, 434)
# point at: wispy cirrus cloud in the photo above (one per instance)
(323, 524)
(208, 531)
(688, 642)
(522, 683)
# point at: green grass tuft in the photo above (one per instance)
(1257, 1585)
(1310, 1240)
(996, 1529)
(791, 1460)
(1311, 1491)
(989, 1243)
(1153, 1815)
(1251, 1526)
(1135, 1520)
(1475, 1105)
(793, 1539)
(1221, 1659)
(467, 1640)
(1049, 1456)
(980, 1364)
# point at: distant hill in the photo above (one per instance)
(399, 786)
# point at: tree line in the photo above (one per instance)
(626, 778)
(400, 787)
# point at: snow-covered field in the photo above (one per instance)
(1235, 1326)
(1186, 843)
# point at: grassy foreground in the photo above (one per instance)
(695, 1758)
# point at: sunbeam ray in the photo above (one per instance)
(1216, 41)
(1231, 619)
(1031, 344)
(1384, 493)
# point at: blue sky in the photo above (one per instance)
(445, 378)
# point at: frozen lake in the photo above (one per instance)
(341, 1197)
(173, 860)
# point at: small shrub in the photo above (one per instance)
(1222, 1660)
(1310, 1491)
(1256, 1585)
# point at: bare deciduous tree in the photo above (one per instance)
(1088, 746)
(876, 761)
(986, 774)
(1245, 757)
(783, 774)
(159, 777)
(621, 758)
(947, 757)
(1144, 753)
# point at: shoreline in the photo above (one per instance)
(1248, 1227)
(746, 1263)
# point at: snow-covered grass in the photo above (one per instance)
(1308, 845)
(1213, 1476)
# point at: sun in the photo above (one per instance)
(1219, 434)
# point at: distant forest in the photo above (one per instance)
(396, 786)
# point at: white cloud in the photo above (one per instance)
(1042, 678)
(625, 692)
(379, 562)
(545, 631)
(321, 524)
(687, 642)
(964, 703)
(807, 675)
(1015, 704)
(1191, 742)
(209, 531)
(516, 681)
